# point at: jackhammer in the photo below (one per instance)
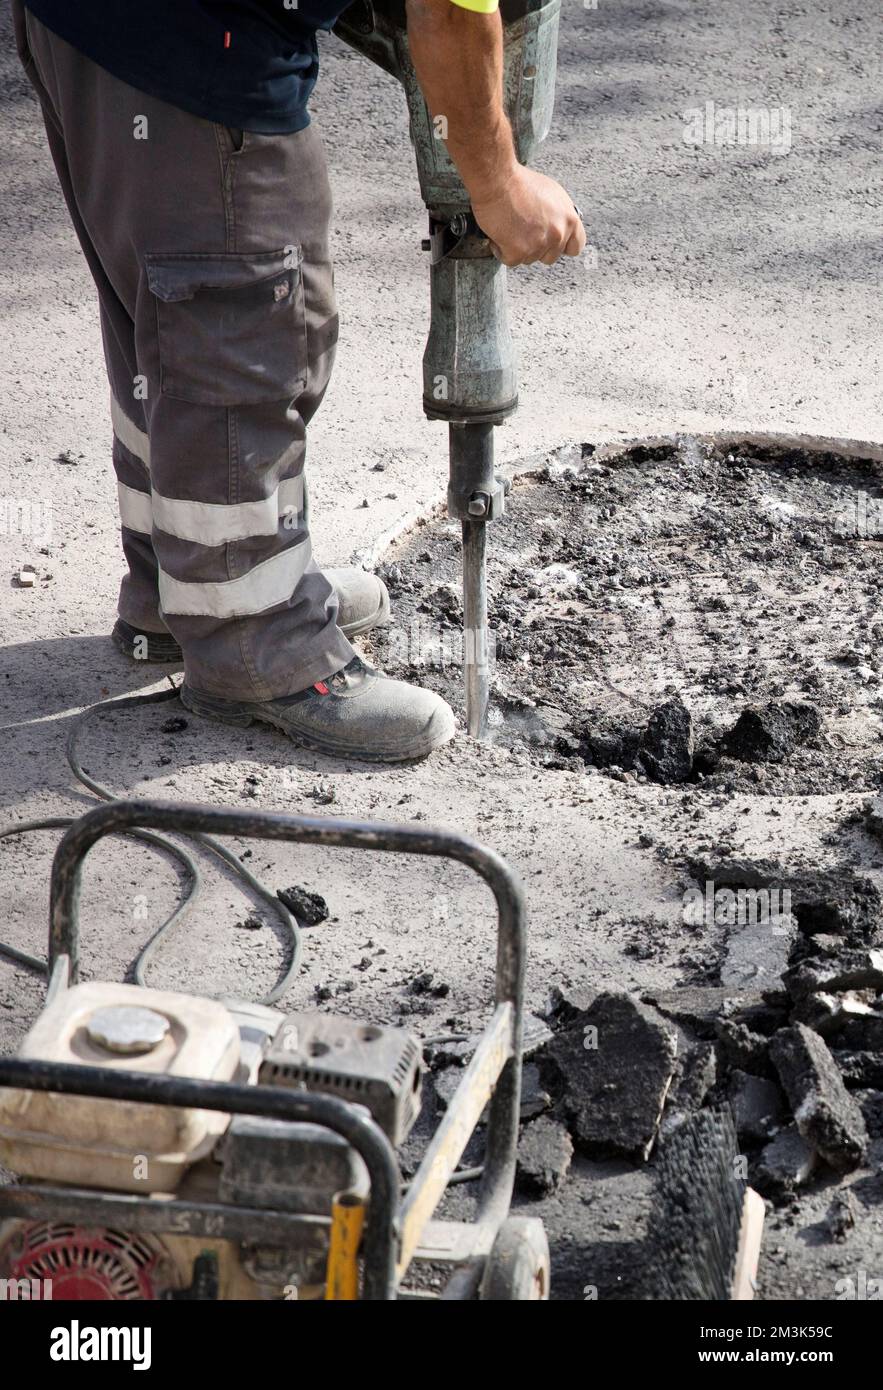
(469, 367)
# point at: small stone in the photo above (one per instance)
(841, 1215)
(544, 1153)
(309, 908)
(826, 1115)
(874, 814)
(26, 578)
(426, 984)
(250, 923)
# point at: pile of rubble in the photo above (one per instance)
(791, 1040)
(667, 748)
(695, 610)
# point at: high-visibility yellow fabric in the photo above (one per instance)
(480, 6)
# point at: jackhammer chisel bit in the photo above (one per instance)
(469, 372)
(476, 497)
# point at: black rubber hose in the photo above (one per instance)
(143, 960)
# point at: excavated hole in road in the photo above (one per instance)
(731, 577)
(702, 611)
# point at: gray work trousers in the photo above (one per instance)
(209, 249)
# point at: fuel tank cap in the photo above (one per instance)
(124, 1028)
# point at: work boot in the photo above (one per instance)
(356, 713)
(363, 604)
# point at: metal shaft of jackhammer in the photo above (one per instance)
(471, 485)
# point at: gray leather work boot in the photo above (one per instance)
(356, 713)
(363, 604)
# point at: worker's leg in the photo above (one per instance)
(210, 252)
(139, 592)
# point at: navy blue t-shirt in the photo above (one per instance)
(250, 64)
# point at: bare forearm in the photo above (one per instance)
(458, 58)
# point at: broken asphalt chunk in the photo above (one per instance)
(456, 1051)
(696, 1075)
(544, 1152)
(739, 1046)
(826, 1115)
(826, 902)
(665, 750)
(786, 1163)
(610, 1069)
(829, 1014)
(835, 974)
(534, 1098)
(860, 1068)
(756, 953)
(769, 733)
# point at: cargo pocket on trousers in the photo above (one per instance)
(231, 328)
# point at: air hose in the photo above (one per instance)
(145, 956)
(143, 960)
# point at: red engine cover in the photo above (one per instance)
(86, 1263)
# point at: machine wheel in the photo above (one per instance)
(517, 1269)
